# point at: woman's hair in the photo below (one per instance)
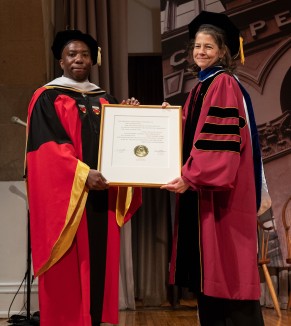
(227, 62)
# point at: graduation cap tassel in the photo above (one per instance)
(99, 57)
(241, 50)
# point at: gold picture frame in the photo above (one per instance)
(140, 145)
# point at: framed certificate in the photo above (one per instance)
(140, 145)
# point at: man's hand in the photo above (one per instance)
(96, 181)
(130, 101)
(165, 104)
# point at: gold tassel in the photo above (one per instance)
(241, 50)
(99, 57)
(124, 197)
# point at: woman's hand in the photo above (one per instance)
(130, 101)
(177, 185)
(96, 181)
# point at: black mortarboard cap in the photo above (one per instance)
(64, 37)
(221, 21)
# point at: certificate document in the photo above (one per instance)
(140, 145)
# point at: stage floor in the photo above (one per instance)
(182, 316)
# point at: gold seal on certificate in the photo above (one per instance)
(141, 150)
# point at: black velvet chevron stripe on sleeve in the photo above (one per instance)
(220, 129)
(218, 145)
(223, 127)
(218, 112)
(242, 122)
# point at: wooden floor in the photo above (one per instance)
(182, 316)
(187, 317)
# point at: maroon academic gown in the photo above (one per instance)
(75, 238)
(219, 168)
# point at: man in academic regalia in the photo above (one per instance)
(74, 217)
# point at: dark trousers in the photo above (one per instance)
(225, 312)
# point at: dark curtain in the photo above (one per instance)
(145, 79)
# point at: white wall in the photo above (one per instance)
(13, 249)
(144, 34)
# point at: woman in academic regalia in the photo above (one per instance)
(219, 192)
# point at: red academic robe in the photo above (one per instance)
(220, 168)
(74, 232)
